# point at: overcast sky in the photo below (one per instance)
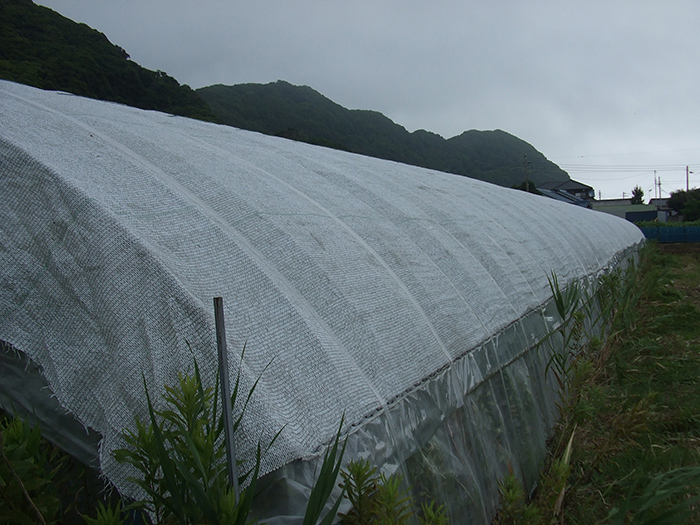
(608, 90)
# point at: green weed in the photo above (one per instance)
(321, 492)
(378, 499)
(432, 514)
(107, 515)
(375, 499)
(670, 497)
(514, 508)
(633, 399)
(26, 476)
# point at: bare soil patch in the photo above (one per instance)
(678, 248)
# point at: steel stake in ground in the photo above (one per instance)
(225, 394)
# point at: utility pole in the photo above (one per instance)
(655, 184)
(687, 179)
(527, 165)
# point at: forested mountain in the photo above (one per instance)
(300, 113)
(41, 48)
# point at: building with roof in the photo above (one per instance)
(624, 209)
(572, 187)
(571, 192)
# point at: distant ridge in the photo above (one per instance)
(41, 48)
(301, 113)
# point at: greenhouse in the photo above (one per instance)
(407, 301)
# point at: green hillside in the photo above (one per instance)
(300, 113)
(41, 48)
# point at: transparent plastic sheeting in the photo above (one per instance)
(404, 298)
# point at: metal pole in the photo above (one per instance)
(526, 165)
(226, 395)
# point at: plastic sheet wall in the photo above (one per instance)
(467, 427)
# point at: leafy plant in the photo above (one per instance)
(179, 454)
(514, 508)
(39, 482)
(393, 501)
(669, 498)
(27, 488)
(554, 485)
(360, 484)
(432, 514)
(377, 499)
(180, 457)
(566, 341)
(107, 515)
(321, 491)
(633, 400)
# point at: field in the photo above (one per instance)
(627, 449)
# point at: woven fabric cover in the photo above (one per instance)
(354, 280)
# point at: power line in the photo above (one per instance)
(606, 177)
(627, 154)
(625, 168)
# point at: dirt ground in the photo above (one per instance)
(678, 248)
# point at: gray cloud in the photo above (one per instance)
(597, 82)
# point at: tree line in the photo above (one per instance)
(301, 113)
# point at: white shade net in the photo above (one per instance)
(362, 283)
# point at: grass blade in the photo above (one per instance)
(325, 483)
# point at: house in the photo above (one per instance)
(632, 212)
(612, 203)
(660, 203)
(563, 196)
(569, 191)
(572, 187)
(669, 214)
